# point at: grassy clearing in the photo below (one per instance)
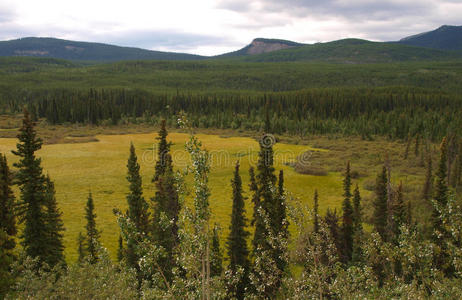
(99, 165)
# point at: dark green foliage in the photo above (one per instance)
(380, 203)
(428, 185)
(55, 227)
(256, 219)
(417, 146)
(137, 206)
(315, 212)
(236, 244)
(357, 226)
(281, 223)
(92, 237)
(216, 257)
(332, 222)
(163, 150)
(7, 226)
(32, 186)
(347, 218)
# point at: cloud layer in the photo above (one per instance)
(216, 26)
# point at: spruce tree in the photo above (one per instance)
(236, 244)
(380, 204)
(428, 186)
(281, 225)
(216, 257)
(259, 232)
(347, 218)
(315, 212)
(165, 217)
(417, 145)
(163, 149)
(357, 226)
(55, 227)
(32, 188)
(137, 206)
(92, 237)
(332, 222)
(7, 226)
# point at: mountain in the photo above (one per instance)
(83, 51)
(444, 38)
(352, 51)
(261, 45)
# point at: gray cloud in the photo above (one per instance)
(7, 14)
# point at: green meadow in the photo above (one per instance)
(100, 167)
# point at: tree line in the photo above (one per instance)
(394, 112)
(168, 249)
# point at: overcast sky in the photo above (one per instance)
(216, 26)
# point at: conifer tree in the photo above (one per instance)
(55, 227)
(280, 207)
(332, 222)
(315, 212)
(32, 187)
(357, 226)
(163, 149)
(259, 233)
(380, 204)
(92, 238)
(8, 228)
(417, 146)
(428, 186)
(347, 218)
(236, 244)
(137, 206)
(216, 257)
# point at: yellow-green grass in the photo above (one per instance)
(100, 167)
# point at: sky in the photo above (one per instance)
(210, 27)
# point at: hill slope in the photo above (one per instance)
(261, 45)
(353, 51)
(444, 38)
(84, 51)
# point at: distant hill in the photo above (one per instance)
(353, 51)
(83, 51)
(444, 38)
(261, 45)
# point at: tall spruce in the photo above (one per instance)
(237, 250)
(347, 218)
(316, 212)
(428, 185)
(55, 227)
(92, 237)
(380, 204)
(216, 256)
(357, 226)
(408, 146)
(332, 222)
(8, 228)
(31, 183)
(281, 225)
(137, 207)
(120, 249)
(163, 150)
(259, 232)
